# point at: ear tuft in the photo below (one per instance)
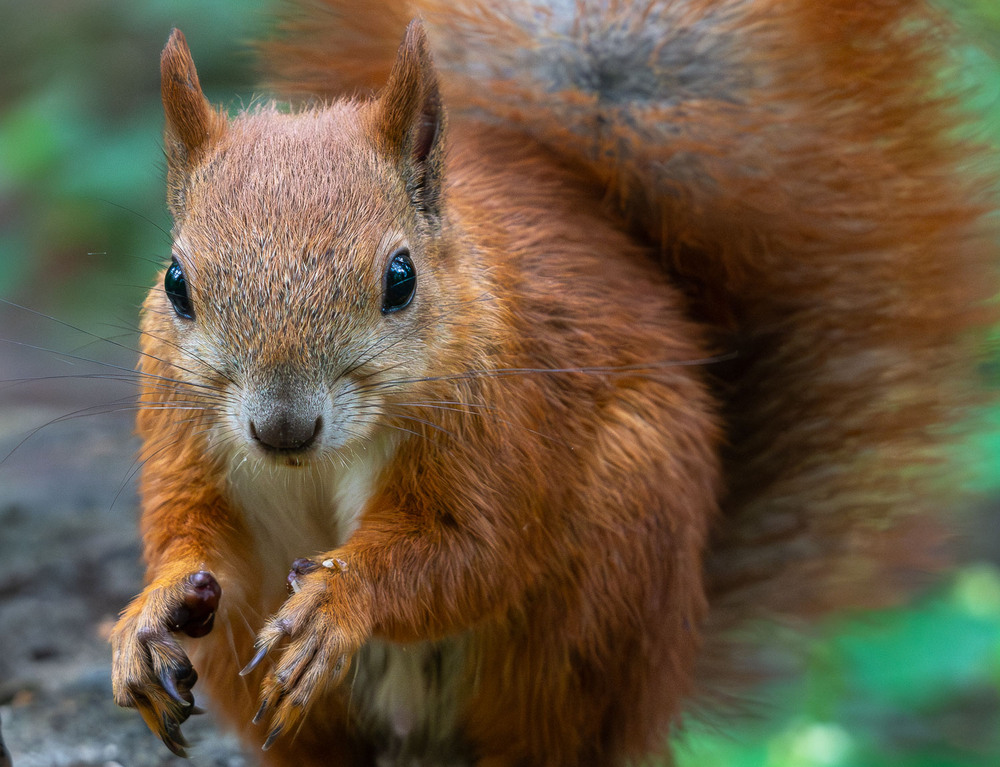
(410, 120)
(192, 125)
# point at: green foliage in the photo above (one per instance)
(82, 219)
(906, 688)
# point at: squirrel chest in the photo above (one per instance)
(405, 696)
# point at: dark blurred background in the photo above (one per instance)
(83, 231)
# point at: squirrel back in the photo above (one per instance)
(798, 167)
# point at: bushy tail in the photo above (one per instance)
(802, 175)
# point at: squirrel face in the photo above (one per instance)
(301, 295)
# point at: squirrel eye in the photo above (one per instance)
(400, 282)
(175, 286)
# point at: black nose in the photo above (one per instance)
(285, 428)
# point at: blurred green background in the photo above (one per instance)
(83, 229)
(81, 164)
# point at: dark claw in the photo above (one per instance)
(196, 630)
(172, 737)
(259, 716)
(170, 685)
(189, 678)
(256, 660)
(175, 748)
(174, 731)
(300, 567)
(272, 736)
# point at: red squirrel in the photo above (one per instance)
(538, 356)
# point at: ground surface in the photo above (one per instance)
(69, 561)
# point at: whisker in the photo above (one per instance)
(89, 411)
(373, 350)
(188, 353)
(114, 343)
(145, 218)
(489, 410)
(77, 358)
(145, 456)
(590, 370)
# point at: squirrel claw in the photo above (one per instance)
(271, 737)
(300, 567)
(183, 675)
(167, 729)
(261, 712)
(170, 685)
(175, 748)
(255, 661)
(173, 730)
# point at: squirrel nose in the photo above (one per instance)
(285, 428)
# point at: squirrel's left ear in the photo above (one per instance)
(192, 125)
(409, 120)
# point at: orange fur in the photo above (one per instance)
(534, 473)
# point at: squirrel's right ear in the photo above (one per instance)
(192, 125)
(409, 119)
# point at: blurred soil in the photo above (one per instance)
(69, 561)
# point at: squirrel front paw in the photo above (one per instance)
(150, 671)
(323, 627)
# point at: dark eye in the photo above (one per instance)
(400, 282)
(176, 289)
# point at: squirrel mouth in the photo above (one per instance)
(294, 457)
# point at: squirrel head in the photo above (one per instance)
(309, 269)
